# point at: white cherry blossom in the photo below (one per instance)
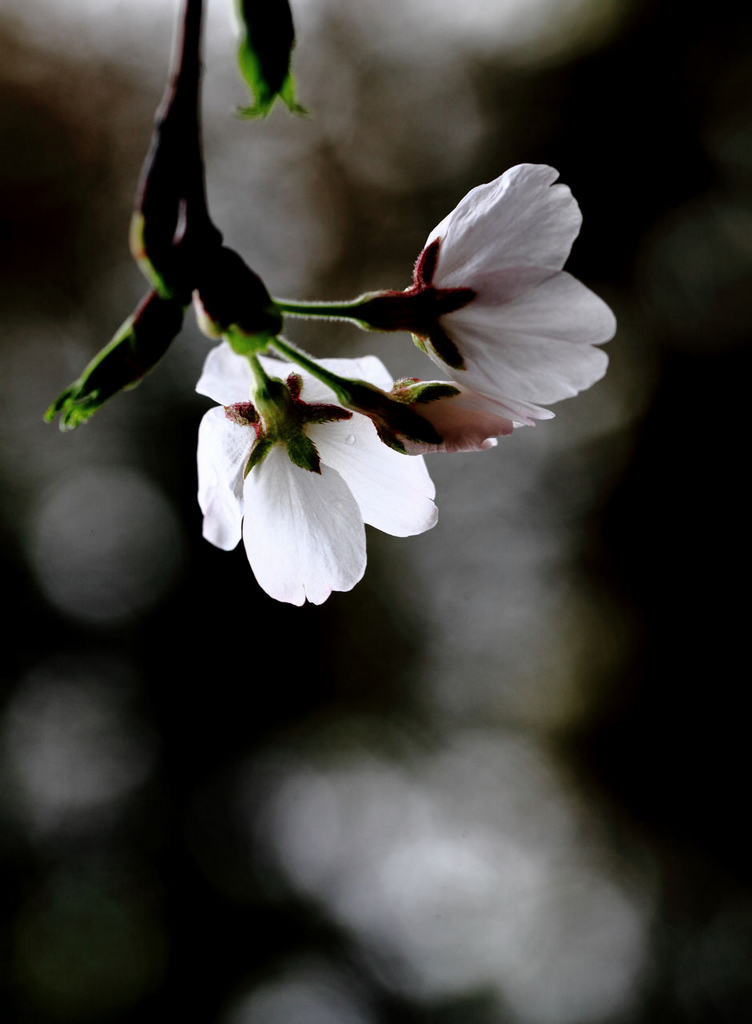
(303, 531)
(504, 317)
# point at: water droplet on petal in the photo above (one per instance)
(350, 439)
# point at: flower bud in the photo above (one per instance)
(231, 300)
(159, 203)
(151, 245)
(267, 37)
(136, 348)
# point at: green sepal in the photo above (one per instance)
(444, 347)
(420, 343)
(284, 417)
(135, 349)
(260, 450)
(265, 100)
(302, 451)
(420, 392)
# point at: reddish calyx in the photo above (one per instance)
(419, 308)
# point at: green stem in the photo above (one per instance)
(260, 390)
(329, 310)
(339, 385)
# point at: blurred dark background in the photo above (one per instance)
(504, 780)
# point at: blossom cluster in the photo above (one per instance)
(300, 454)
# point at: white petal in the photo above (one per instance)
(226, 376)
(303, 531)
(529, 368)
(535, 348)
(223, 450)
(520, 219)
(528, 299)
(521, 413)
(393, 491)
